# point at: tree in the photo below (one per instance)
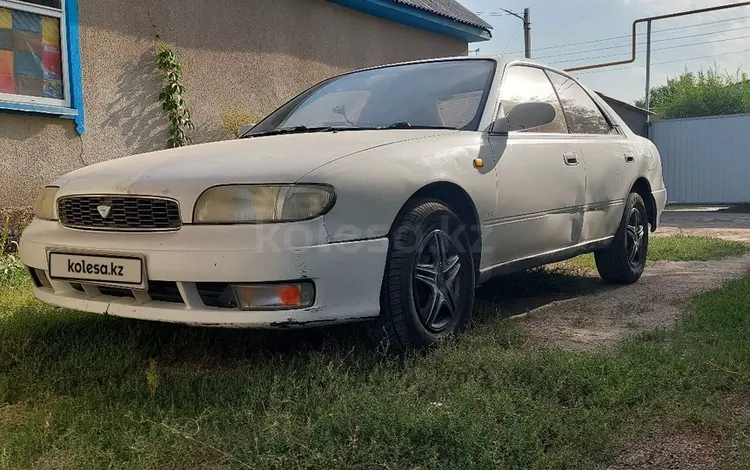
(709, 93)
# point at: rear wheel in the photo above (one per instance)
(623, 262)
(428, 289)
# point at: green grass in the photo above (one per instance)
(85, 391)
(679, 248)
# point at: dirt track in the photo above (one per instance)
(611, 313)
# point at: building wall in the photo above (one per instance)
(246, 55)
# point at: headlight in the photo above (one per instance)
(251, 204)
(45, 203)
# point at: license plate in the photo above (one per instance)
(113, 270)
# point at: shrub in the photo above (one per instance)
(232, 121)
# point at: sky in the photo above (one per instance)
(725, 37)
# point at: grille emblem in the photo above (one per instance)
(104, 211)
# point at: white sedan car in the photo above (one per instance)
(386, 194)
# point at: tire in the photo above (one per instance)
(420, 307)
(624, 260)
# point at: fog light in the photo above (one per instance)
(274, 296)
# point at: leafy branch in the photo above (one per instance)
(172, 97)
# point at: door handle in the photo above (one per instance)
(570, 158)
(629, 157)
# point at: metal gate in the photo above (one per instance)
(705, 160)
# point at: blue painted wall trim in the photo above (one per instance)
(75, 71)
(60, 111)
(409, 16)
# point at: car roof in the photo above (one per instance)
(501, 60)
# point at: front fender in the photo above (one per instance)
(372, 186)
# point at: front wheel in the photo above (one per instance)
(428, 288)
(623, 262)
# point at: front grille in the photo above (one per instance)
(216, 294)
(159, 291)
(136, 213)
(164, 291)
(116, 292)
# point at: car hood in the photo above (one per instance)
(184, 173)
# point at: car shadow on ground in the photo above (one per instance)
(519, 293)
(501, 298)
(209, 348)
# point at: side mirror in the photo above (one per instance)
(525, 116)
(246, 128)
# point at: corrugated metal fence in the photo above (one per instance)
(705, 160)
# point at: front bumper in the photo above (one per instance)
(347, 276)
(660, 200)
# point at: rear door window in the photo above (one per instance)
(583, 115)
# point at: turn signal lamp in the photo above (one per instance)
(274, 296)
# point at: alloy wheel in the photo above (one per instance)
(436, 281)
(635, 232)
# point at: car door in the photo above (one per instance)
(610, 158)
(541, 176)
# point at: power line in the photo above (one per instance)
(644, 43)
(511, 38)
(656, 49)
(629, 36)
(626, 36)
(665, 63)
(494, 13)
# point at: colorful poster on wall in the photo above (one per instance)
(30, 57)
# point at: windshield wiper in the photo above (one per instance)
(397, 125)
(288, 130)
(351, 128)
(305, 129)
(407, 125)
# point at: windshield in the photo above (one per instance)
(445, 94)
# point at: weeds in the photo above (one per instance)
(233, 119)
(11, 269)
(172, 97)
(4, 236)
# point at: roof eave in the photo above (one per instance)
(417, 18)
(627, 105)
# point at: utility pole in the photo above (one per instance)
(527, 31)
(648, 72)
(526, 18)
